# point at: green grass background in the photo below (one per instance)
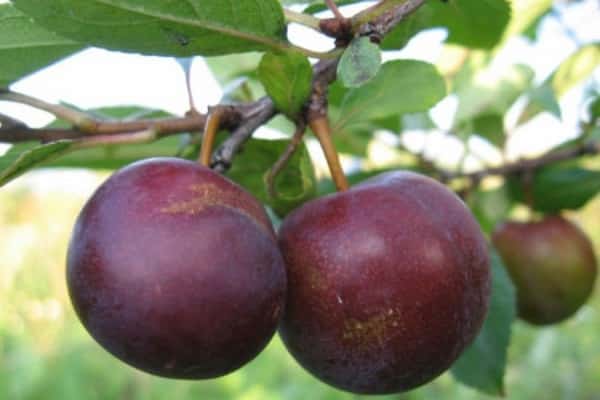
(46, 354)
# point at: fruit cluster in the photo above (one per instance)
(177, 271)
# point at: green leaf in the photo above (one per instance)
(22, 157)
(116, 156)
(526, 14)
(418, 121)
(492, 92)
(171, 28)
(490, 207)
(230, 67)
(490, 127)
(594, 109)
(575, 69)
(287, 78)
(564, 186)
(320, 5)
(483, 364)
(474, 24)
(544, 98)
(26, 47)
(295, 185)
(359, 63)
(354, 140)
(400, 87)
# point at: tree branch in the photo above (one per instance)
(223, 157)
(525, 165)
(79, 119)
(283, 160)
(385, 16)
(10, 122)
(145, 136)
(241, 119)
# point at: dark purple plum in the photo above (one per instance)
(388, 282)
(175, 270)
(552, 264)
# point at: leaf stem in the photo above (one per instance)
(188, 87)
(302, 19)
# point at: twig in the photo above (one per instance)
(589, 148)
(144, 136)
(7, 122)
(335, 10)
(79, 119)
(385, 16)
(285, 158)
(24, 134)
(265, 110)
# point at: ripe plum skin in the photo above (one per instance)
(552, 264)
(388, 282)
(175, 270)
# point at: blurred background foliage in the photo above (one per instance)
(46, 354)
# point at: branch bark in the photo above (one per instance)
(586, 149)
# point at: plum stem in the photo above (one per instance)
(211, 128)
(322, 130)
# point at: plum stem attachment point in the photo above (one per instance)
(211, 128)
(283, 160)
(322, 130)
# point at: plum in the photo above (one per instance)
(175, 270)
(552, 265)
(388, 283)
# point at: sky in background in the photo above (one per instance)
(96, 78)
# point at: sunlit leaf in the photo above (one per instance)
(402, 86)
(177, 28)
(359, 63)
(483, 365)
(26, 47)
(287, 78)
